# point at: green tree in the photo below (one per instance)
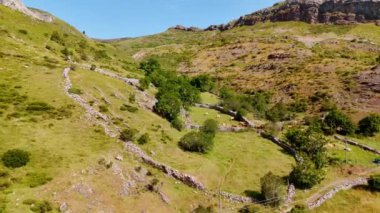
(374, 182)
(15, 158)
(337, 122)
(203, 82)
(305, 175)
(309, 143)
(272, 188)
(370, 125)
(168, 105)
(196, 142)
(150, 66)
(279, 112)
(210, 127)
(128, 134)
(144, 139)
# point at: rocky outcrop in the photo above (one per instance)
(183, 28)
(312, 11)
(20, 6)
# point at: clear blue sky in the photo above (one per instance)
(131, 18)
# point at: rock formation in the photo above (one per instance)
(20, 6)
(312, 11)
(183, 28)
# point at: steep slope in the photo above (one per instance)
(312, 11)
(290, 59)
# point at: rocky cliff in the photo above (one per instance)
(312, 11)
(20, 6)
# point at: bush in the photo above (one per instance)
(196, 142)
(337, 122)
(374, 182)
(23, 32)
(93, 67)
(75, 91)
(305, 175)
(309, 143)
(144, 83)
(103, 108)
(128, 134)
(203, 209)
(150, 66)
(144, 139)
(279, 112)
(129, 108)
(203, 82)
(37, 179)
(38, 107)
(210, 127)
(299, 106)
(177, 123)
(15, 158)
(272, 188)
(66, 52)
(370, 125)
(56, 37)
(168, 105)
(41, 206)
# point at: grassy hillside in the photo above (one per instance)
(289, 59)
(75, 164)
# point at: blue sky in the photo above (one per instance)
(132, 18)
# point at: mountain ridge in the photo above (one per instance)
(20, 6)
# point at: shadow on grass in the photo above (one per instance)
(255, 195)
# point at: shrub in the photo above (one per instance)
(299, 106)
(196, 142)
(210, 127)
(144, 83)
(203, 209)
(305, 175)
(144, 139)
(37, 179)
(128, 108)
(75, 91)
(15, 158)
(374, 182)
(41, 206)
(103, 108)
(279, 112)
(309, 143)
(93, 67)
(177, 123)
(128, 134)
(378, 60)
(150, 66)
(272, 188)
(203, 82)
(337, 122)
(38, 107)
(168, 105)
(370, 125)
(23, 32)
(56, 37)
(101, 54)
(66, 52)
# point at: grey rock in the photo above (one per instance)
(20, 6)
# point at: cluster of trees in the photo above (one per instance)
(338, 122)
(174, 91)
(200, 141)
(310, 145)
(257, 103)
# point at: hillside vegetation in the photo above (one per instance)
(251, 119)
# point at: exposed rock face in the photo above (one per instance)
(183, 28)
(20, 6)
(312, 11)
